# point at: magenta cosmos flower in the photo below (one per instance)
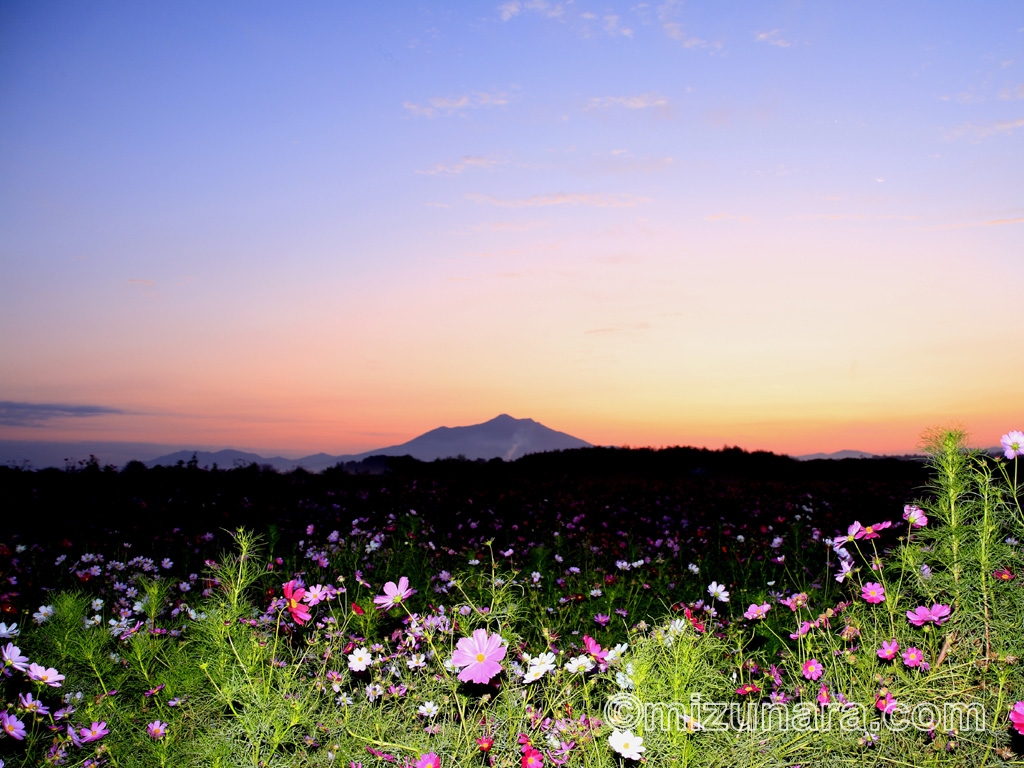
(479, 655)
(812, 669)
(873, 593)
(913, 657)
(157, 730)
(889, 649)
(429, 760)
(293, 595)
(1013, 444)
(394, 594)
(920, 616)
(1017, 717)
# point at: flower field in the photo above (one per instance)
(610, 608)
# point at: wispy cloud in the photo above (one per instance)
(540, 201)
(642, 101)
(774, 37)
(513, 8)
(667, 13)
(1012, 94)
(989, 223)
(446, 105)
(14, 414)
(140, 281)
(978, 132)
(727, 217)
(481, 162)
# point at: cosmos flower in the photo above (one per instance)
(1013, 444)
(873, 593)
(888, 650)
(478, 656)
(812, 669)
(757, 611)
(12, 726)
(50, 676)
(718, 592)
(1017, 717)
(626, 744)
(157, 729)
(429, 760)
(394, 594)
(913, 657)
(915, 516)
(95, 732)
(293, 595)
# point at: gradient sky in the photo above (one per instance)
(327, 226)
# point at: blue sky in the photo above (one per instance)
(333, 226)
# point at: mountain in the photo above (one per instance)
(847, 454)
(503, 437)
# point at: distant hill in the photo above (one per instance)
(503, 437)
(847, 454)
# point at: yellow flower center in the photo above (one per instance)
(480, 658)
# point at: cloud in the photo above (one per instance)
(543, 8)
(1012, 94)
(448, 104)
(468, 161)
(1001, 127)
(539, 201)
(727, 217)
(772, 38)
(989, 223)
(667, 13)
(140, 281)
(13, 414)
(643, 101)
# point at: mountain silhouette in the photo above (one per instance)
(503, 437)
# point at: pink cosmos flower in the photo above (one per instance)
(157, 730)
(915, 516)
(1004, 574)
(1013, 444)
(871, 531)
(823, 696)
(429, 760)
(293, 595)
(95, 732)
(756, 611)
(886, 703)
(394, 594)
(10, 656)
(913, 657)
(12, 726)
(888, 650)
(592, 647)
(939, 613)
(747, 688)
(873, 593)
(315, 595)
(479, 655)
(50, 676)
(812, 669)
(1017, 717)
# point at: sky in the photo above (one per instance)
(320, 226)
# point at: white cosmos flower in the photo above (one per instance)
(626, 744)
(359, 660)
(718, 592)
